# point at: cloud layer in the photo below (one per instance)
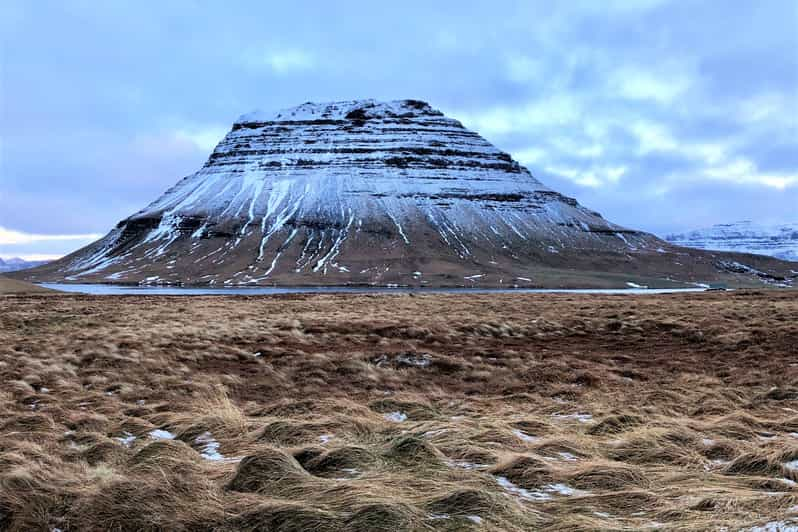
(661, 115)
(29, 245)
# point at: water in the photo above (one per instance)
(115, 289)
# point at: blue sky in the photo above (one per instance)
(661, 115)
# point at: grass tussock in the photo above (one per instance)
(268, 471)
(285, 517)
(383, 517)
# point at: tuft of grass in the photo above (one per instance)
(609, 477)
(337, 462)
(285, 517)
(616, 424)
(268, 471)
(412, 451)
(526, 471)
(383, 517)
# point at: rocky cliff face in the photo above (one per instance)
(363, 192)
(780, 241)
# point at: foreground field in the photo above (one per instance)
(399, 412)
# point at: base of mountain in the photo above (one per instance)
(673, 267)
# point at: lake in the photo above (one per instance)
(115, 289)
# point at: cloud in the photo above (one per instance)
(281, 61)
(205, 139)
(29, 246)
(11, 237)
(593, 177)
(529, 156)
(638, 84)
(742, 170)
(558, 109)
(524, 69)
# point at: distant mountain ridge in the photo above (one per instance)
(15, 264)
(780, 241)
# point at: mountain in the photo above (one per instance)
(780, 241)
(378, 193)
(16, 264)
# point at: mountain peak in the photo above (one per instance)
(368, 193)
(343, 110)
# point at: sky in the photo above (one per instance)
(662, 115)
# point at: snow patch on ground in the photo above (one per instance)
(582, 418)
(422, 361)
(537, 495)
(210, 448)
(351, 472)
(126, 439)
(159, 434)
(562, 489)
(529, 495)
(465, 464)
(777, 526)
(396, 417)
(524, 436)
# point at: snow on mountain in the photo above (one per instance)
(365, 192)
(780, 241)
(15, 264)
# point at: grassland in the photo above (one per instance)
(399, 412)
(13, 286)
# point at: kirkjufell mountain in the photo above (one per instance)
(380, 193)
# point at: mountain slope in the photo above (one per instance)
(780, 241)
(364, 192)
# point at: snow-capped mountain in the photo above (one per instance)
(780, 241)
(15, 264)
(366, 192)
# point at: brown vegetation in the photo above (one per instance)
(13, 286)
(398, 412)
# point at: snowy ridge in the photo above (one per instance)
(340, 111)
(780, 241)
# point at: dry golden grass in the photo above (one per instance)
(12, 286)
(398, 412)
